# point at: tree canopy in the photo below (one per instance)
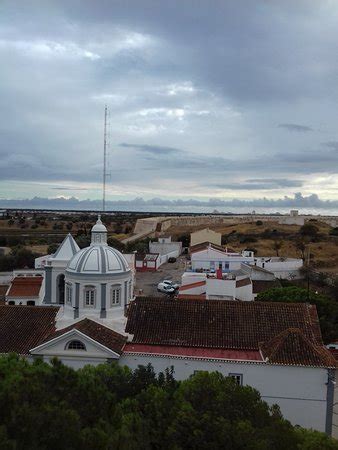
(111, 407)
(327, 308)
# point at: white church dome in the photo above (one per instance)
(98, 258)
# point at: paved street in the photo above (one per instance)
(148, 281)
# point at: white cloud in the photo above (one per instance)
(180, 88)
(48, 49)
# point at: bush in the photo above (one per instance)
(334, 231)
(308, 229)
(259, 223)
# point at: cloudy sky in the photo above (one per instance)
(223, 99)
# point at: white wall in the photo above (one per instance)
(209, 259)
(172, 248)
(300, 392)
(280, 267)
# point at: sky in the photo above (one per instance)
(230, 100)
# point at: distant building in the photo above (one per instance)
(205, 235)
(208, 257)
(147, 263)
(166, 247)
(25, 290)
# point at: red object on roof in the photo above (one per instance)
(24, 327)
(25, 287)
(219, 274)
(218, 353)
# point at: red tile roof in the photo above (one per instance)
(243, 282)
(25, 327)
(210, 353)
(262, 285)
(292, 347)
(25, 287)
(99, 333)
(192, 296)
(221, 324)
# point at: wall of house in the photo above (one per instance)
(294, 389)
(172, 248)
(209, 259)
(244, 293)
(282, 268)
(219, 288)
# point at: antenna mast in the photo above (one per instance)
(104, 159)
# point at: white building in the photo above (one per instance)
(209, 258)
(273, 347)
(230, 286)
(166, 247)
(96, 281)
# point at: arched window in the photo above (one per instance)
(115, 297)
(75, 345)
(89, 296)
(69, 293)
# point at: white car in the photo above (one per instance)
(165, 288)
(170, 283)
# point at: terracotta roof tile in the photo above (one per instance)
(25, 287)
(262, 285)
(101, 334)
(25, 327)
(218, 323)
(243, 282)
(292, 347)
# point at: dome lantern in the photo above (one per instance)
(99, 233)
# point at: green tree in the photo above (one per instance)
(308, 229)
(327, 309)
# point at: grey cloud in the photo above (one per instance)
(154, 149)
(234, 64)
(295, 127)
(331, 144)
(260, 184)
(156, 204)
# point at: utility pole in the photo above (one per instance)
(104, 160)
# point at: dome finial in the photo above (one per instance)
(99, 218)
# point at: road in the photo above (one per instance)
(146, 282)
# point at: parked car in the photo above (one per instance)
(171, 283)
(165, 288)
(172, 259)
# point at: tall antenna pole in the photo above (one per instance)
(104, 159)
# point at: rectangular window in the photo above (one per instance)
(238, 377)
(69, 295)
(115, 296)
(89, 298)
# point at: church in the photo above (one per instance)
(95, 282)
